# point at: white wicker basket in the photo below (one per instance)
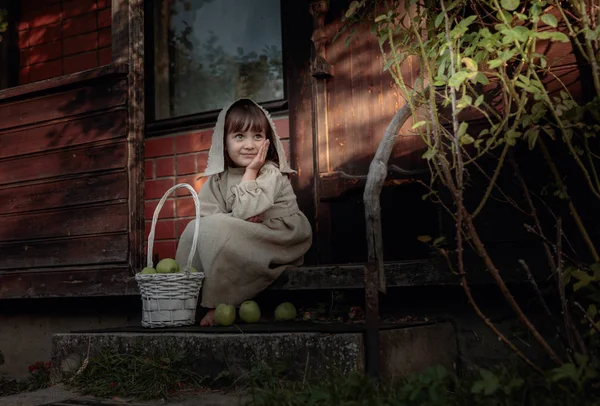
(170, 300)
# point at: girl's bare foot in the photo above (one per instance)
(208, 319)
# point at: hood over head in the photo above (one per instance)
(216, 157)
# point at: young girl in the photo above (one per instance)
(251, 228)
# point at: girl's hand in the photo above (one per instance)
(254, 219)
(259, 159)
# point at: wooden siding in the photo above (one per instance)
(64, 186)
(361, 100)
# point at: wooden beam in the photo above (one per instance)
(137, 122)
(320, 70)
(120, 31)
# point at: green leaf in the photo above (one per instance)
(381, 18)
(424, 238)
(503, 15)
(565, 371)
(419, 124)
(592, 311)
(347, 41)
(479, 100)
(592, 35)
(439, 19)
(512, 136)
(510, 5)
(457, 79)
(470, 64)
(559, 36)
(544, 35)
(518, 33)
(466, 140)
(488, 385)
(481, 78)
(494, 63)
(521, 16)
(429, 154)
(437, 242)
(462, 129)
(351, 9)
(550, 20)
(531, 136)
(583, 277)
(466, 101)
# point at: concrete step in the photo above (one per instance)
(301, 346)
(408, 273)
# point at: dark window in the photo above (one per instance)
(205, 53)
(9, 54)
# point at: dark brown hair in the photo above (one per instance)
(244, 115)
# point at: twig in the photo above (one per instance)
(488, 322)
(510, 299)
(561, 283)
(547, 241)
(536, 288)
(532, 208)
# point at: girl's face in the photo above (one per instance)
(242, 146)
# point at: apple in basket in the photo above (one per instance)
(148, 270)
(167, 265)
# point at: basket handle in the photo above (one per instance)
(188, 265)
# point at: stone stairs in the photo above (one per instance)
(406, 345)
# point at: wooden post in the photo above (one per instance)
(320, 70)
(128, 48)
(374, 271)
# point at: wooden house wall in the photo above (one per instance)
(65, 183)
(64, 186)
(69, 145)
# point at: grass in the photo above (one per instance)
(39, 378)
(502, 386)
(171, 372)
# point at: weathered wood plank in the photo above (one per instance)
(135, 138)
(100, 95)
(68, 222)
(81, 251)
(64, 162)
(64, 193)
(94, 128)
(71, 282)
(62, 81)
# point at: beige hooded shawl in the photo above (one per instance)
(242, 258)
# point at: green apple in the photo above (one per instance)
(250, 312)
(148, 270)
(224, 315)
(167, 265)
(285, 311)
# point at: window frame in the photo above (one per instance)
(155, 127)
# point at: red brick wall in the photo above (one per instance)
(179, 158)
(58, 37)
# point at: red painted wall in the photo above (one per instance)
(58, 37)
(179, 158)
